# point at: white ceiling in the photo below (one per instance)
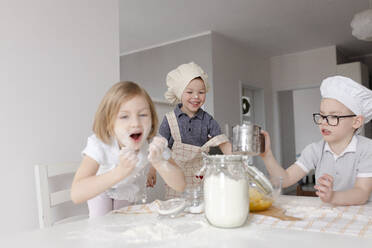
(273, 27)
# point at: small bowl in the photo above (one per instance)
(260, 200)
(171, 207)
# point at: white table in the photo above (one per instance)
(119, 230)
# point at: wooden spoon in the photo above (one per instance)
(278, 213)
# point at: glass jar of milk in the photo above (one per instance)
(226, 190)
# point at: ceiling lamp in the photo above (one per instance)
(362, 24)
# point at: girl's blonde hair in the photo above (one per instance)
(109, 107)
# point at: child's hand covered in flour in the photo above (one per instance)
(156, 149)
(127, 161)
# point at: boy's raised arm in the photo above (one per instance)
(290, 176)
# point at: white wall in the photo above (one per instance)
(57, 60)
(356, 71)
(303, 69)
(367, 60)
(233, 63)
(298, 71)
(235, 67)
(305, 103)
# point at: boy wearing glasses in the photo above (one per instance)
(343, 159)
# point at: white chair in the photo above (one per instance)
(47, 200)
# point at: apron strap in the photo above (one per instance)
(215, 141)
(173, 125)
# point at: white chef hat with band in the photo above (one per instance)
(353, 95)
(179, 78)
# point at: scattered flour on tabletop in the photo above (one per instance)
(141, 232)
(149, 233)
(161, 231)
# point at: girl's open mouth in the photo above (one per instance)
(136, 136)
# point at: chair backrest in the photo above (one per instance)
(46, 200)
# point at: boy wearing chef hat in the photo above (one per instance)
(343, 159)
(189, 129)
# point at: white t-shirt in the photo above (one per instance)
(354, 162)
(107, 156)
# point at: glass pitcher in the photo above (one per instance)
(226, 196)
(263, 191)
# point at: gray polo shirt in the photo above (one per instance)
(355, 161)
(196, 130)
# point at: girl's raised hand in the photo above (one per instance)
(156, 149)
(127, 160)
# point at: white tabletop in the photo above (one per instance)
(145, 230)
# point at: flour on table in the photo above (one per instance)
(137, 231)
(160, 231)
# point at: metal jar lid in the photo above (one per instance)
(234, 158)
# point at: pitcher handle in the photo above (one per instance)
(262, 143)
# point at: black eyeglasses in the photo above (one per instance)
(332, 120)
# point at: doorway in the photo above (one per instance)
(296, 126)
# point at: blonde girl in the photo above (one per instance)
(118, 155)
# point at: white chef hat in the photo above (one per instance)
(179, 78)
(353, 95)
